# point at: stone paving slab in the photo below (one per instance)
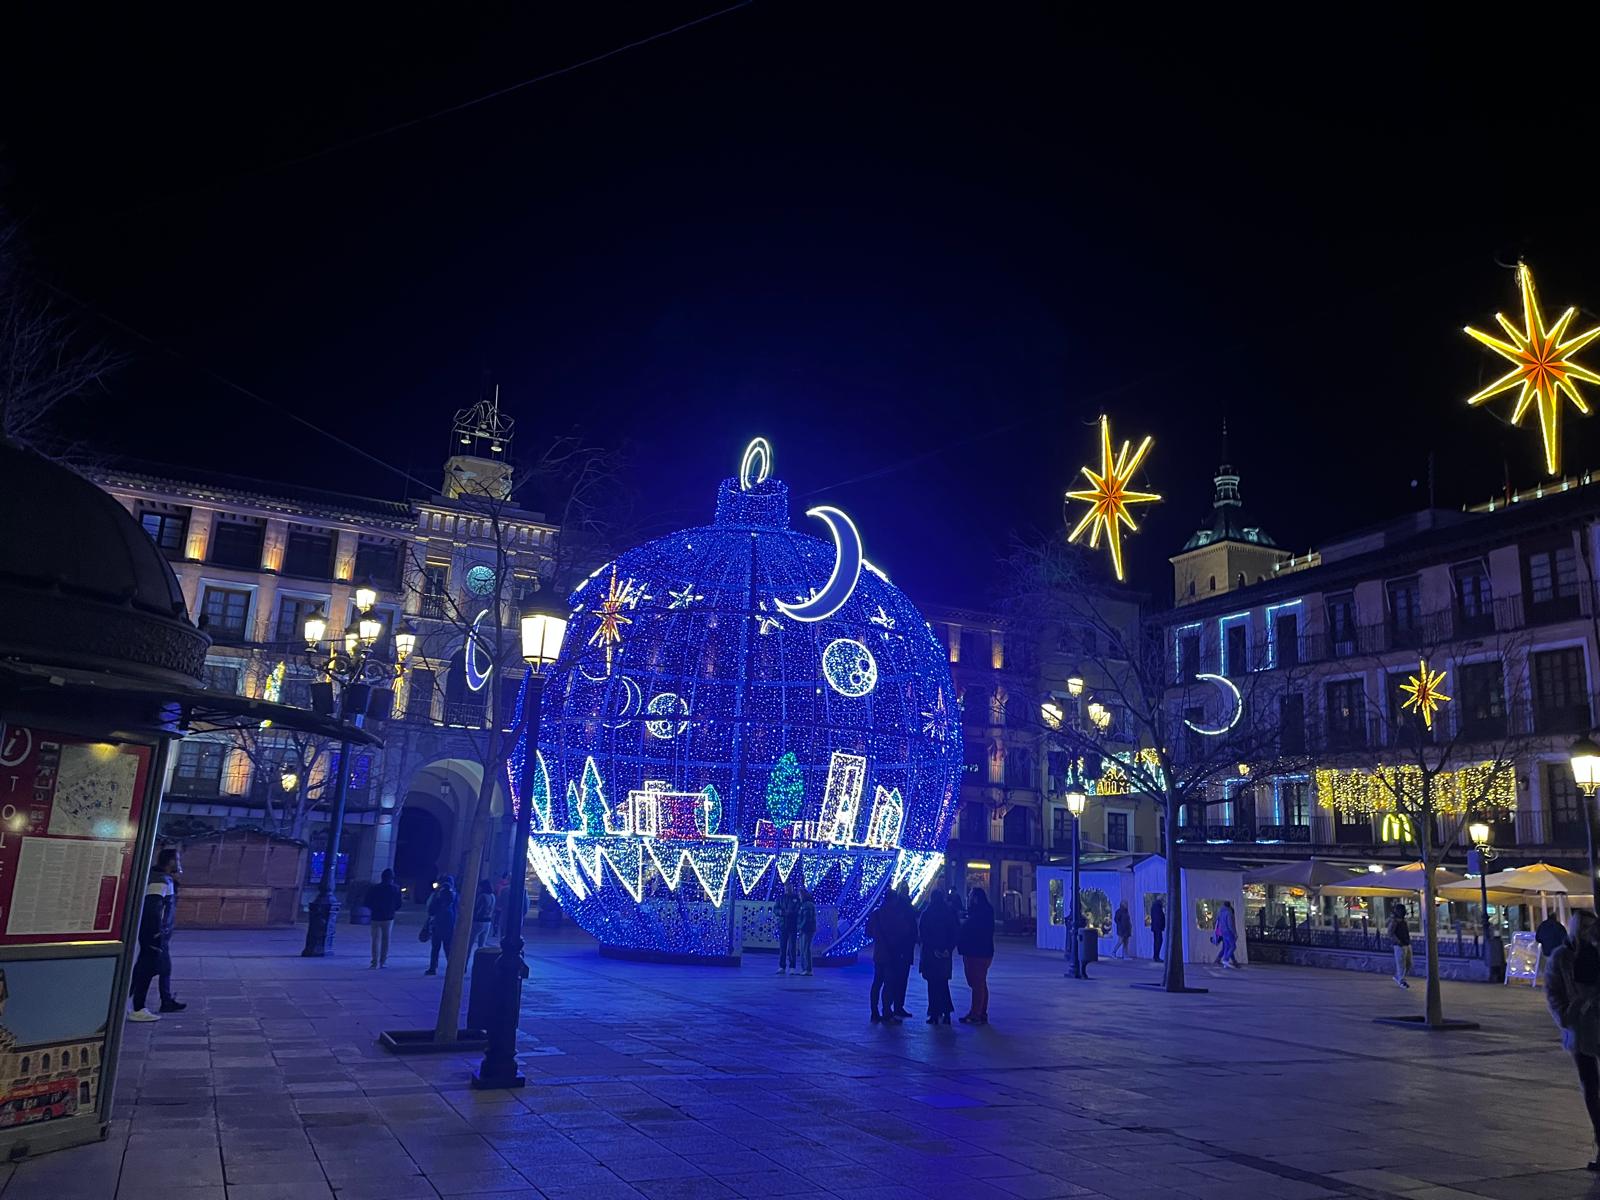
(677, 1083)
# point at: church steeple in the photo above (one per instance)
(1227, 509)
(481, 440)
(1226, 554)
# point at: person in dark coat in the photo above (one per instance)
(787, 910)
(883, 929)
(156, 921)
(383, 901)
(938, 931)
(1124, 925)
(1572, 990)
(905, 950)
(483, 906)
(442, 907)
(807, 930)
(1550, 937)
(976, 944)
(1158, 925)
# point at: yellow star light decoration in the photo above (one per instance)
(608, 634)
(1108, 496)
(1544, 367)
(1423, 690)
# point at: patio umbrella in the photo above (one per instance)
(1312, 873)
(1542, 877)
(1399, 881)
(1468, 890)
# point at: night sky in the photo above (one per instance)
(918, 248)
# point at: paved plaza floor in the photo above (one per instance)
(680, 1083)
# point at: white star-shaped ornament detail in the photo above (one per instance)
(882, 619)
(766, 620)
(683, 597)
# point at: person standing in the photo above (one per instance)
(1400, 935)
(1124, 924)
(881, 928)
(442, 908)
(976, 944)
(483, 908)
(383, 901)
(905, 950)
(787, 909)
(157, 919)
(808, 929)
(1158, 925)
(938, 935)
(1227, 936)
(1572, 991)
(1550, 937)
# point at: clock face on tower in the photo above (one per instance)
(480, 580)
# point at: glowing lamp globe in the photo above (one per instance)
(736, 707)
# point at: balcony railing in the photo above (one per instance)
(434, 606)
(469, 713)
(1455, 624)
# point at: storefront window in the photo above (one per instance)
(1096, 908)
(1205, 913)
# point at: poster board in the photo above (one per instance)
(1522, 957)
(69, 820)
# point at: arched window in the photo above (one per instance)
(22, 1067)
(1213, 583)
(44, 1062)
(83, 1057)
(1191, 587)
(1241, 580)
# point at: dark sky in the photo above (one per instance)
(919, 248)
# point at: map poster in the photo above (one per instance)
(69, 817)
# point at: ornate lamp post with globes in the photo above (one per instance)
(1483, 853)
(543, 630)
(353, 669)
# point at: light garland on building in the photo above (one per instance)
(751, 740)
(1108, 496)
(1543, 369)
(1473, 788)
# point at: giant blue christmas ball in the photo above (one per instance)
(736, 706)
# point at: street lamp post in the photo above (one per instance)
(1479, 832)
(354, 669)
(1585, 758)
(1076, 799)
(542, 634)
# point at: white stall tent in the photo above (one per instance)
(1204, 890)
(1053, 889)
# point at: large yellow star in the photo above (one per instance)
(1423, 690)
(1108, 496)
(1544, 368)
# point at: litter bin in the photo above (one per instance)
(480, 996)
(1088, 945)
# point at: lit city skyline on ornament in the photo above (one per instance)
(1108, 497)
(1544, 368)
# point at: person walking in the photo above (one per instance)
(1158, 925)
(1124, 924)
(976, 944)
(157, 919)
(938, 933)
(808, 929)
(1400, 934)
(1226, 935)
(441, 927)
(483, 909)
(1572, 991)
(787, 909)
(1550, 937)
(383, 901)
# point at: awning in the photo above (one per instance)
(179, 708)
(1312, 873)
(1399, 881)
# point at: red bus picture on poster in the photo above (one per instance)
(69, 816)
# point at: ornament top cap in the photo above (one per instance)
(753, 498)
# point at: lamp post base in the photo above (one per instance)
(322, 919)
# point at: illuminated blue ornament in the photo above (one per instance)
(477, 675)
(786, 715)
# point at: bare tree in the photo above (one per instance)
(1174, 740)
(577, 484)
(44, 360)
(1452, 752)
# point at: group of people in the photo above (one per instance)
(444, 906)
(941, 930)
(797, 928)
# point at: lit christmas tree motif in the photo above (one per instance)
(1425, 698)
(1108, 496)
(1544, 368)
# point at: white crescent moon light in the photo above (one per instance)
(1238, 707)
(831, 597)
